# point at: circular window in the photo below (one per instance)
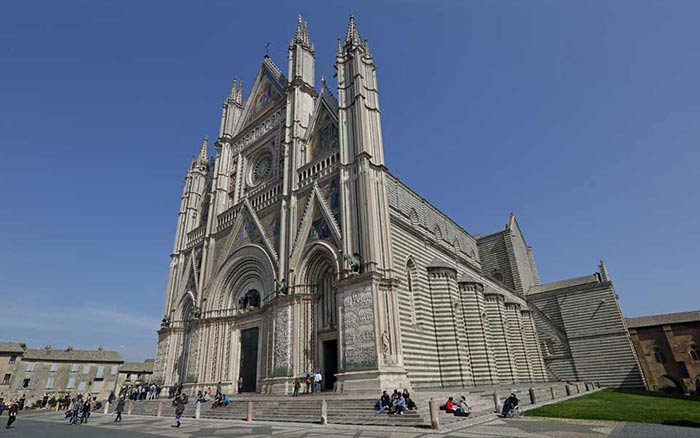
(262, 168)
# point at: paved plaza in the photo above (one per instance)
(47, 424)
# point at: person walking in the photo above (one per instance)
(297, 385)
(218, 389)
(75, 411)
(119, 409)
(307, 382)
(179, 404)
(85, 411)
(12, 414)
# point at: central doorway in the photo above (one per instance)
(330, 363)
(249, 359)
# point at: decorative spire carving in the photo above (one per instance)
(236, 94)
(203, 157)
(352, 36)
(301, 35)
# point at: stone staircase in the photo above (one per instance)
(356, 409)
(305, 409)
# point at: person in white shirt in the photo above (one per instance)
(317, 381)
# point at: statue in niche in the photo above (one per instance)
(385, 342)
(249, 300)
(354, 262)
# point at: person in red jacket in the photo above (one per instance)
(450, 406)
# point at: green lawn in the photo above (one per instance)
(620, 405)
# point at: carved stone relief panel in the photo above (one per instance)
(282, 353)
(357, 325)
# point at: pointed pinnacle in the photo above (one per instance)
(204, 151)
(352, 36)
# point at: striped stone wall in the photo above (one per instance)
(582, 320)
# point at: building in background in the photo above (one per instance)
(296, 250)
(135, 373)
(34, 372)
(668, 347)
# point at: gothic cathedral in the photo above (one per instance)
(297, 250)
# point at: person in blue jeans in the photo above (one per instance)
(317, 381)
(179, 404)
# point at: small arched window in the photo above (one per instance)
(694, 353)
(410, 286)
(658, 355)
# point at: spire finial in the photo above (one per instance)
(204, 151)
(339, 49)
(301, 34)
(352, 36)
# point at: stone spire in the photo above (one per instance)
(301, 35)
(301, 56)
(203, 156)
(352, 36)
(236, 94)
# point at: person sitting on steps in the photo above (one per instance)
(410, 404)
(398, 403)
(450, 406)
(461, 408)
(383, 403)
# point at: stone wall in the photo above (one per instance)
(581, 321)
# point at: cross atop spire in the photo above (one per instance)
(301, 35)
(352, 36)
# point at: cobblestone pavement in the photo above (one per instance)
(52, 425)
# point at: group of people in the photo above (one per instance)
(141, 392)
(312, 381)
(458, 408)
(12, 409)
(80, 409)
(397, 403)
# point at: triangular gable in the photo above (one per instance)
(322, 134)
(267, 92)
(318, 224)
(248, 230)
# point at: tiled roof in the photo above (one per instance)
(73, 355)
(11, 347)
(666, 318)
(136, 367)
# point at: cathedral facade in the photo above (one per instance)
(297, 250)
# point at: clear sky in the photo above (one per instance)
(582, 117)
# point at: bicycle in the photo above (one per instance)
(514, 412)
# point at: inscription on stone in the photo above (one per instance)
(358, 331)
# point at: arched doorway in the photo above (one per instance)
(321, 279)
(183, 367)
(669, 384)
(241, 290)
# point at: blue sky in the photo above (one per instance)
(579, 116)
